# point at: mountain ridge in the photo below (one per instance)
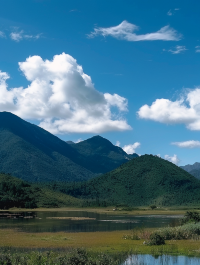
(33, 154)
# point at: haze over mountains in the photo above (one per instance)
(33, 154)
(193, 169)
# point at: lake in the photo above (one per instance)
(161, 260)
(81, 221)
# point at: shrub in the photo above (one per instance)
(191, 217)
(153, 207)
(187, 231)
(156, 239)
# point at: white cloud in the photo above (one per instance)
(197, 49)
(2, 35)
(172, 11)
(126, 31)
(186, 110)
(169, 13)
(118, 143)
(178, 49)
(63, 98)
(130, 149)
(18, 36)
(187, 144)
(78, 141)
(174, 159)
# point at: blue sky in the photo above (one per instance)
(132, 53)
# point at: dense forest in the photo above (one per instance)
(15, 192)
(144, 180)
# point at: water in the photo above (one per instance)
(90, 221)
(161, 260)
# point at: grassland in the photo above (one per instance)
(105, 242)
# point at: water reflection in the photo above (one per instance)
(161, 260)
(81, 221)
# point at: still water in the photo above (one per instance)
(161, 260)
(81, 221)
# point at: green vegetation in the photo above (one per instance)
(102, 156)
(15, 192)
(146, 180)
(156, 239)
(9, 256)
(191, 217)
(35, 155)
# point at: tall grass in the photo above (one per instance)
(9, 256)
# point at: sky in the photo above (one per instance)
(126, 70)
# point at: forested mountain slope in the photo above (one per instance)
(102, 156)
(15, 192)
(33, 154)
(142, 181)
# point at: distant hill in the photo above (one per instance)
(101, 155)
(15, 192)
(144, 180)
(194, 169)
(33, 154)
(189, 168)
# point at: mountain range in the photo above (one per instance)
(33, 154)
(194, 169)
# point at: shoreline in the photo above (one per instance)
(108, 210)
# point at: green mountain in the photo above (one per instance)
(144, 180)
(33, 154)
(15, 192)
(101, 155)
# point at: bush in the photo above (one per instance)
(153, 207)
(187, 231)
(191, 217)
(156, 239)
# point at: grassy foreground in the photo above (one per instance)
(95, 242)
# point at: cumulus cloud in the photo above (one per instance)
(126, 31)
(187, 144)
(63, 98)
(197, 49)
(174, 159)
(130, 149)
(185, 110)
(178, 49)
(19, 35)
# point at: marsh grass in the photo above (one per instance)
(10, 256)
(187, 231)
